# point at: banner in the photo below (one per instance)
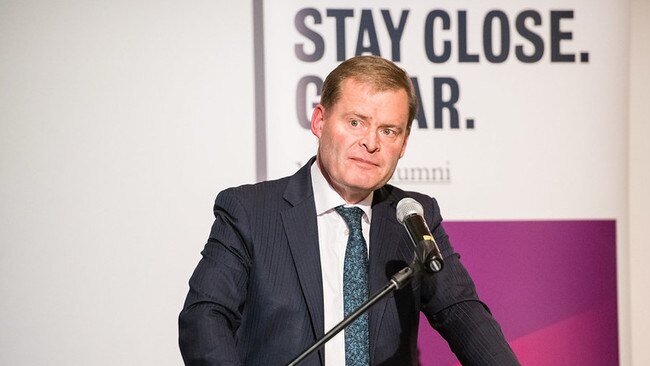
(521, 122)
(550, 284)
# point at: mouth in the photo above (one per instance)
(364, 162)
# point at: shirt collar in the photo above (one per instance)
(326, 198)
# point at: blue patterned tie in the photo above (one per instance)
(355, 288)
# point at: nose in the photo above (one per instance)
(370, 141)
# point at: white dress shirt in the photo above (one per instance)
(332, 240)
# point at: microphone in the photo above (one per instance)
(411, 214)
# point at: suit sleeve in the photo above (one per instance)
(218, 287)
(453, 308)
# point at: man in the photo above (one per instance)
(277, 271)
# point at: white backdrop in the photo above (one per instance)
(119, 123)
(545, 140)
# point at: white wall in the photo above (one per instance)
(639, 183)
(115, 120)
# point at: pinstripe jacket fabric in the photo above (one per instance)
(256, 296)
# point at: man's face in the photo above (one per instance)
(361, 138)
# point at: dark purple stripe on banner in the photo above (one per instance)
(550, 284)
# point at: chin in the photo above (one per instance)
(366, 180)
(366, 186)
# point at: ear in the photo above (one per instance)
(317, 121)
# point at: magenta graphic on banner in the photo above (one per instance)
(550, 284)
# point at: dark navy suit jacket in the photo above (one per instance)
(256, 296)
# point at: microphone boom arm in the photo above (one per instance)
(399, 280)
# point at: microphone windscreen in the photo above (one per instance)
(407, 207)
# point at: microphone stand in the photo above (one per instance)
(399, 280)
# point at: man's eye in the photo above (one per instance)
(388, 131)
(354, 123)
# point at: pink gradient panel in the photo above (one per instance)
(550, 284)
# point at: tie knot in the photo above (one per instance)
(351, 215)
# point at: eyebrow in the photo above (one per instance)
(359, 115)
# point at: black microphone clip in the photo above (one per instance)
(411, 214)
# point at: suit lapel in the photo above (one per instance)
(301, 228)
(385, 238)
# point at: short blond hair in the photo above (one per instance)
(375, 71)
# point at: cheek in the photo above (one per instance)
(330, 151)
(339, 144)
(398, 150)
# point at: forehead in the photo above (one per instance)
(361, 97)
(355, 86)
